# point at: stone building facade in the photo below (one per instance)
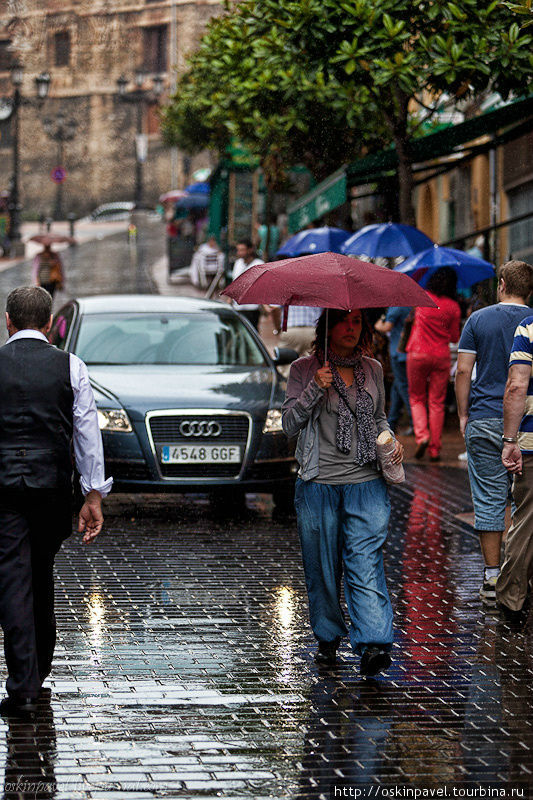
(86, 45)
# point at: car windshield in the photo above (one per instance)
(199, 338)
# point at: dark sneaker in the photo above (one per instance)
(17, 706)
(488, 592)
(327, 653)
(374, 660)
(421, 449)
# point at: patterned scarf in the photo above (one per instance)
(363, 413)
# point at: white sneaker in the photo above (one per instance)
(462, 456)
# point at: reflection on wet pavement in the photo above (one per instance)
(185, 668)
(185, 663)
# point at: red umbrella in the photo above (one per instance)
(327, 280)
(172, 196)
(52, 238)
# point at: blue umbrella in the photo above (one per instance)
(198, 188)
(192, 201)
(469, 269)
(386, 240)
(314, 240)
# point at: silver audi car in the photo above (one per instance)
(188, 396)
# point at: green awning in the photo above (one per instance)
(325, 196)
(328, 194)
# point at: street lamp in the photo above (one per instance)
(60, 130)
(139, 96)
(43, 85)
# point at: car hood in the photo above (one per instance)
(142, 388)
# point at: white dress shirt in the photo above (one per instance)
(239, 267)
(86, 436)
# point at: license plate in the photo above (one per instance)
(200, 454)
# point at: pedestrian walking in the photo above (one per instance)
(246, 258)
(46, 404)
(393, 323)
(207, 262)
(48, 270)
(485, 345)
(300, 333)
(428, 361)
(517, 456)
(337, 409)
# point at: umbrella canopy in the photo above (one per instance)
(314, 240)
(172, 196)
(469, 269)
(189, 201)
(198, 188)
(52, 238)
(389, 240)
(327, 280)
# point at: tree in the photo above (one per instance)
(321, 81)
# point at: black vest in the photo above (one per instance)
(36, 400)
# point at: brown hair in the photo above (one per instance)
(29, 307)
(335, 315)
(518, 277)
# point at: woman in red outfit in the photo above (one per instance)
(428, 360)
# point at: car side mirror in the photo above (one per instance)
(284, 355)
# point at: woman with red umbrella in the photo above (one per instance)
(47, 265)
(337, 409)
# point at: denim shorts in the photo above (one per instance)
(490, 483)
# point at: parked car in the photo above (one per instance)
(112, 212)
(188, 396)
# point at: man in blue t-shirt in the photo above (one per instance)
(393, 324)
(486, 343)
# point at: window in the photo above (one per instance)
(62, 49)
(155, 48)
(61, 327)
(521, 233)
(197, 338)
(6, 56)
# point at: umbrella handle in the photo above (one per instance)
(285, 315)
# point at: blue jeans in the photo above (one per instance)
(490, 483)
(346, 525)
(399, 395)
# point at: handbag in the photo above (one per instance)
(56, 276)
(406, 332)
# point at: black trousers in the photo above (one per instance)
(33, 523)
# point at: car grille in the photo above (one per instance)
(128, 470)
(166, 430)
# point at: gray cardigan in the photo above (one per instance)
(303, 404)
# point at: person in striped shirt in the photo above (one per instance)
(517, 456)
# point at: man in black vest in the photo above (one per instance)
(46, 406)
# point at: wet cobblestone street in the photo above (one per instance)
(185, 668)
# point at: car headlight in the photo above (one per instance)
(273, 421)
(113, 419)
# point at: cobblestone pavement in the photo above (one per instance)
(185, 668)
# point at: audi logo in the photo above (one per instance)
(197, 427)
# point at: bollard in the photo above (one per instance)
(71, 220)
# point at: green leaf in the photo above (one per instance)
(350, 66)
(514, 32)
